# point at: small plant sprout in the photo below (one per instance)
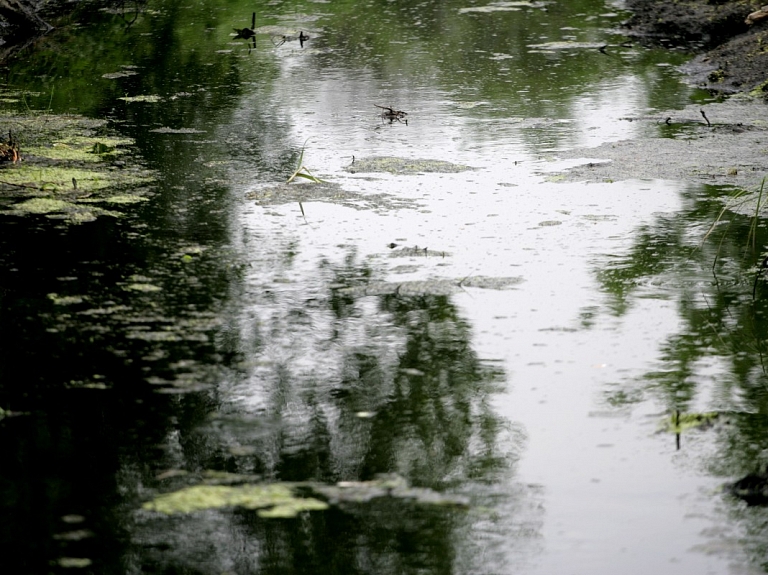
(302, 171)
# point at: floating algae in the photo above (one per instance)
(69, 162)
(59, 209)
(286, 500)
(272, 500)
(403, 166)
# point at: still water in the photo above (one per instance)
(465, 363)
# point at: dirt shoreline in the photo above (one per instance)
(732, 55)
(723, 143)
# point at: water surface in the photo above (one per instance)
(466, 321)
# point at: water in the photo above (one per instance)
(480, 328)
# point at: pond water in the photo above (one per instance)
(442, 358)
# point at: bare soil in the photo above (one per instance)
(724, 143)
(732, 56)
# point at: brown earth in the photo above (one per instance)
(732, 55)
(722, 142)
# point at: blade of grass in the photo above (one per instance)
(753, 225)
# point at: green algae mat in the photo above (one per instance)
(71, 168)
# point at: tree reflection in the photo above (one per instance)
(397, 388)
(721, 317)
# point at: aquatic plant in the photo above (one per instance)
(302, 171)
(739, 199)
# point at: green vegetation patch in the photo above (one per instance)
(79, 148)
(286, 500)
(68, 163)
(53, 178)
(402, 166)
(272, 500)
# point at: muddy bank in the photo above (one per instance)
(731, 55)
(722, 143)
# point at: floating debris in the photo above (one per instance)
(393, 115)
(280, 40)
(9, 150)
(247, 33)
